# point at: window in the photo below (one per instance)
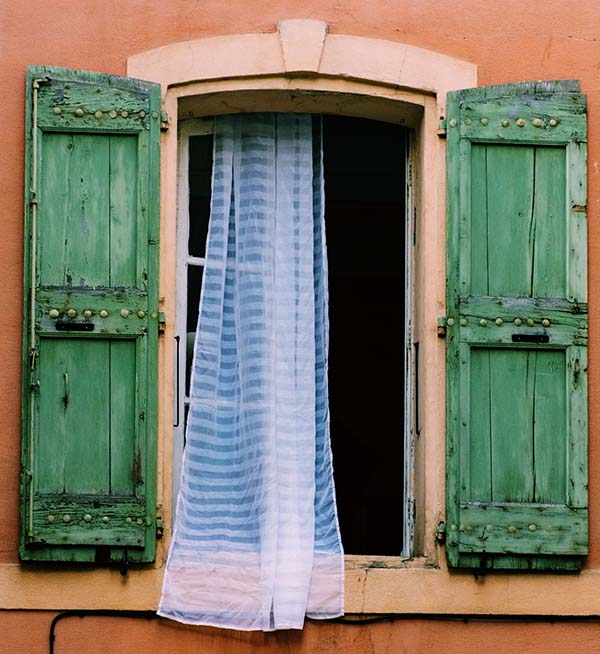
(516, 319)
(365, 191)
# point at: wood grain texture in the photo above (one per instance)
(93, 447)
(516, 413)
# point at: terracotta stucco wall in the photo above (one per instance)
(95, 635)
(509, 41)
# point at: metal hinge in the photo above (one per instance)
(441, 327)
(440, 533)
(164, 121)
(159, 527)
(162, 322)
(441, 130)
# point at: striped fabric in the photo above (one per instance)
(256, 543)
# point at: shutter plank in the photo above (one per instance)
(124, 468)
(124, 226)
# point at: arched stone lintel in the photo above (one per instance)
(304, 46)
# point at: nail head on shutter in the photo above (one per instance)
(537, 122)
(518, 322)
(546, 322)
(124, 313)
(71, 313)
(483, 322)
(105, 519)
(520, 122)
(553, 122)
(87, 517)
(530, 322)
(78, 112)
(505, 123)
(103, 313)
(484, 121)
(54, 313)
(98, 114)
(499, 321)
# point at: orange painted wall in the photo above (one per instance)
(509, 41)
(26, 634)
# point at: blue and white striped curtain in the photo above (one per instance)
(256, 543)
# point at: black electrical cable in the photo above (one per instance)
(148, 615)
(392, 617)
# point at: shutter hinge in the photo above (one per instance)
(441, 130)
(162, 322)
(440, 533)
(159, 527)
(441, 327)
(33, 198)
(164, 121)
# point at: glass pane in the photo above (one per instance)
(194, 285)
(200, 172)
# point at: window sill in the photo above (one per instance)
(398, 586)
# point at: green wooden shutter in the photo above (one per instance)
(517, 327)
(90, 328)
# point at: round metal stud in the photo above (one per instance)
(520, 122)
(142, 114)
(71, 313)
(50, 518)
(553, 122)
(105, 519)
(452, 122)
(453, 527)
(87, 313)
(537, 122)
(112, 113)
(546, 322)
(483, 322)
(155, 114)
(103, 313)
(66, 518)
(468, 121)
(499, 321)
(468, 528)
(124, 313)
(139, 521)
(124, 114)
(512, 529)
(463, 322)
(141, 313)
(518, 322)
(87, 517)
(128, 520)
(489, 527)
(484, 121)
(57, 110)
(532, 527)
(450, 322)
(505, 123)
(98, 114)
(530, 322)
(154, 315)
(54, 313)
(78, 112)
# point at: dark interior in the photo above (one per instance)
(364, 215)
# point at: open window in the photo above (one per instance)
(370, 308)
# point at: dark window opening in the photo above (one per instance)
(365, 182)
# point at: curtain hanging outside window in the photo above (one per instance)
(256, 543)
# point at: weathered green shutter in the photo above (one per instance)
(90, 329)
(517, 327)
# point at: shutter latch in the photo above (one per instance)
(164, 121)
(159, 527)
(441, 131)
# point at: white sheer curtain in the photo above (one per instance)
(256, 543)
